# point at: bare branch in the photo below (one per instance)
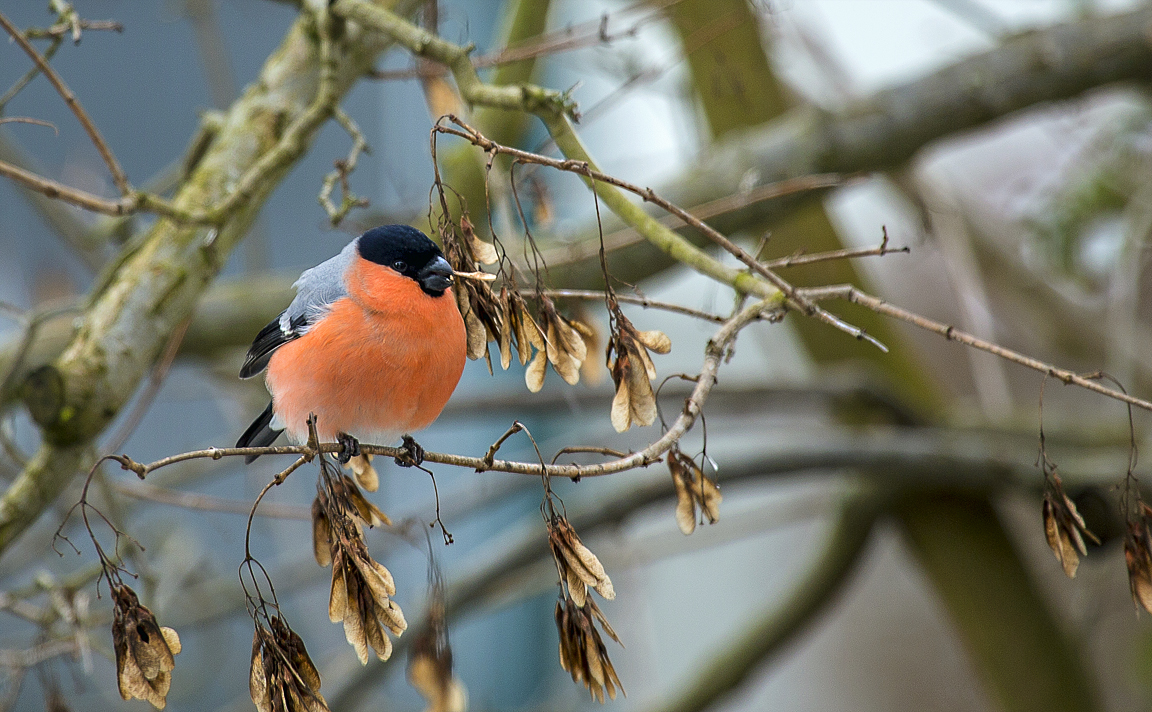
(427, 45)
(714, 355)
(73, 103)
(851, 294)
(580, 163)
(761, 637)
(157, 285)
(344, 168)
(594, 295)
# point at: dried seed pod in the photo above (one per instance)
(364, 472)
(364, 510)
(504, 338)
(591, 370)
(564, 345)
(655, 340)
(321, 534)
(582, 651)
(579, 567)
(483, 252)
(695, 491)
(282, 677)
(557, 340)
(524, 328)
(534, 374)
(360, 599)
(1138, 557)
(430, 665)
(361, 590)
(632, 372)
(1063, 526)
(144, 650)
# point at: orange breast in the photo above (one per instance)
(383, 362)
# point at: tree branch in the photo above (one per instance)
(73, 103)
(885, 130)
(516, 97)
(851, 294)
(157, 287)
(765, 635)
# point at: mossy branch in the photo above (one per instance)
(515, 97)
(157, 287)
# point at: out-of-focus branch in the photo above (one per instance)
(886, 129)
(157, 287)
(714, 354)
(63, 220)
(73, 103)
(516, 97)
(1025, 660)
(951, 333)
(764, 636)
(481, 188)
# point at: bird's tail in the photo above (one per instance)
(259, 433)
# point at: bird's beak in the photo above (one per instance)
(436, 276)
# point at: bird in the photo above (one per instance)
(373, 344)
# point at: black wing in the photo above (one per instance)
(259, 434)
(270, 338)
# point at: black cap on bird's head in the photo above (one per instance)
(409, 252)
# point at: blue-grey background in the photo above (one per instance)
(887, 645)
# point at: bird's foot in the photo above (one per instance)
(413, 454)
(349, 448)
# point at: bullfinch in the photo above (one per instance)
(373, 345)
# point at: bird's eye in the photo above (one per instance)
(400, 265)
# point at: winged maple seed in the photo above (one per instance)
(632, 371)
(482, 252)
(283, 678)
(578, 565)
(144, 650)
(483, 313)
(364, 472)
(694, 491)
(518, 328)
(1138, 557)
(582, 651)
(361, 586)
(430, 666)
(483, 316)
(1063, 526)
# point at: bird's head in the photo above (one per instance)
(410, 253)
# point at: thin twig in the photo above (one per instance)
(73, 103)
(344, 168)
(155, 381)
(583, 167)
(75, 196)
(737, 201)
(32, 73)
(849, 293)
(589, 34)
(596, 295)
(29, 120)
(207, 503)
(587, 449)
(801, 259)
(61, 29)
(714, 355)
(516, 427)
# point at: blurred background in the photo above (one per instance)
(1027, 225)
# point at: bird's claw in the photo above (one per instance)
(413, 454)
(349, 448)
